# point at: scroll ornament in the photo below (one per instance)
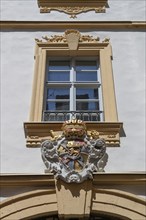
(73, 11)
(75, 155)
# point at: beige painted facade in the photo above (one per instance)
(104, 195)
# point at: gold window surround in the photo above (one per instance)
(73, 7)
(72, 43)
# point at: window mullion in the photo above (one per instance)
(72, 89)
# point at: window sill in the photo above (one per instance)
(36, 132)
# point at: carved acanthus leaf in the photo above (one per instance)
(55, 39)
(73, 35)
(88, 38)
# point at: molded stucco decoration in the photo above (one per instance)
(74, 155)
(71, 33)
(72, 38)
(72, 7)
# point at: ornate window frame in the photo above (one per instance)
(73, 7)
(72, 43)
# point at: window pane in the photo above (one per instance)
(59, 65)
(59, 70)
(82, 93)
(87, 106)
(58, 76)
(86, 65)
(57, 93)
(86, 70)
(53, 106)
(86, 76)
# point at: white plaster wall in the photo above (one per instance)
(118, 10)
(17, 50)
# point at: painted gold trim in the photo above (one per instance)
(98, 25)
(73, 7)
(47, 180)
(36, 132)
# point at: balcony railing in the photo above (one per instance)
(67, 115)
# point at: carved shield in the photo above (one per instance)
(74, 156)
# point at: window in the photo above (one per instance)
(74, 46)
(73, 76)
(72, 88)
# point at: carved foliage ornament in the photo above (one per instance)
(72, 38)
(74, 155)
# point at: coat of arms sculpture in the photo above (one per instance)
(75, 155)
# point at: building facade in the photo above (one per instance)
(73, 101)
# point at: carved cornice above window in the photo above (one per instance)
(72, 38)
(72, 7)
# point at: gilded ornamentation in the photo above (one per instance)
(94, 134)
(33, 141)
(74, 155)
(111, 136)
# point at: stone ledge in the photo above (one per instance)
(47, 180)
(36, 132)
(97, 25)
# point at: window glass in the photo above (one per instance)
(87, 106)
(83, 93)
(58, 76)
(86, 65)
(57, 93)
(58, 71)
(56, 106)
(86, 71)
(59, 65)
(72, 86)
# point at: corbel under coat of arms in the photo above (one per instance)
(74, 155)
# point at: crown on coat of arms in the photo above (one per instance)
(74, 129)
